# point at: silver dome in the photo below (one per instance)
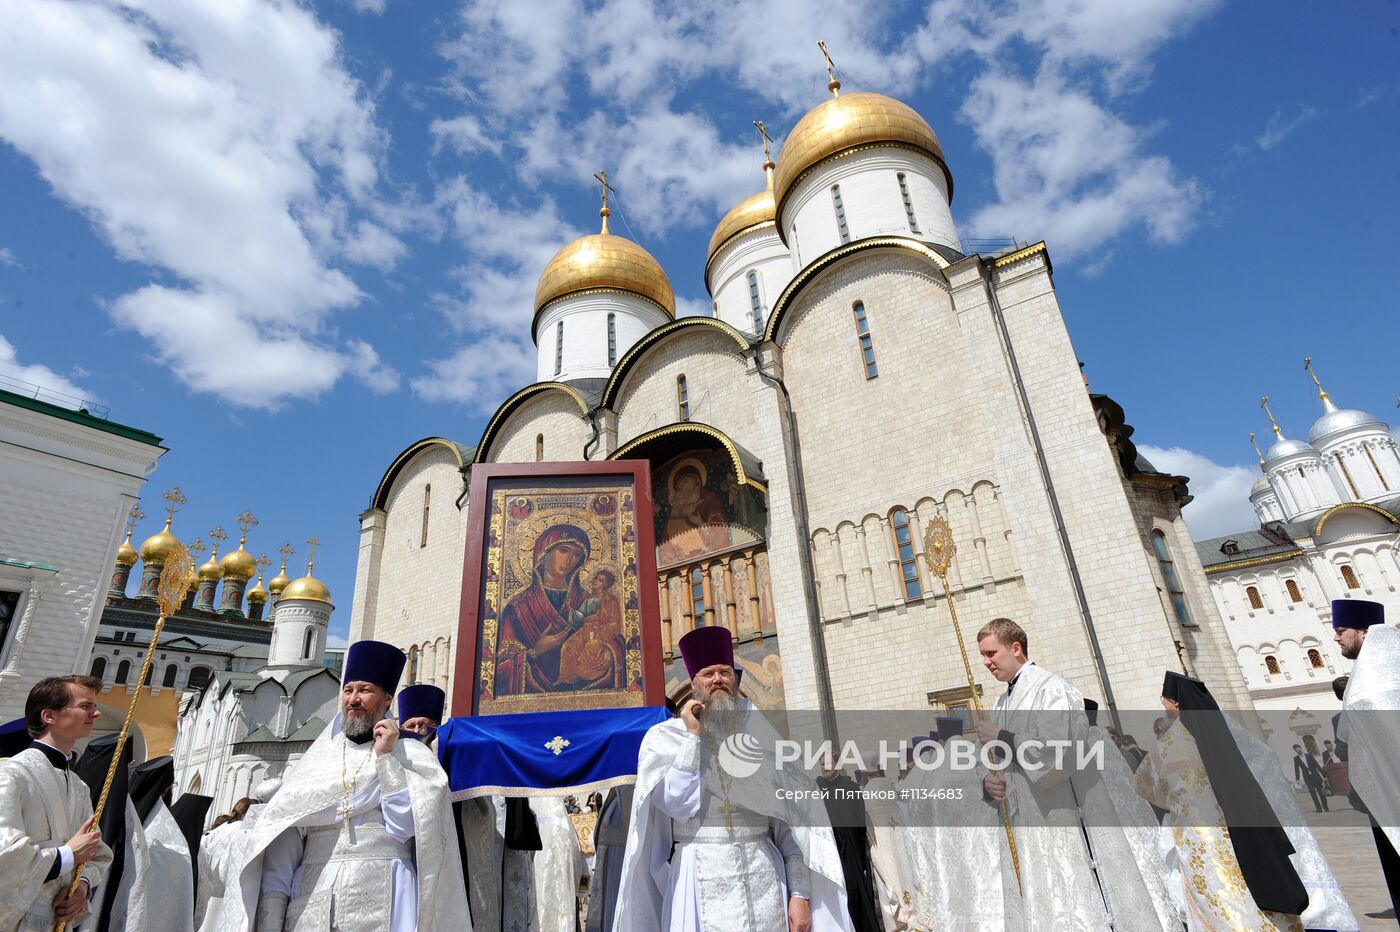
(1285, 448)
(1342, 419)
(1261, 486)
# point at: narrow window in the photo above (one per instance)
(123, 672)
(1255, 600)
(1315, 658)
(1294, 592)
(1176, 592)
(612, 339)
(904, 544)
(308, 643)
(1379, 475)
(99, 667)
(559, 348)
(539, 448)
(841, 227)
(867, 346)
(908, 203)
(1271, 664)
(413, 653)
(754, 306)
(697, 595)
(427, 501)
(9, 607)
(1349, 577)
(682, 398)
(199, 677)
(169, 679)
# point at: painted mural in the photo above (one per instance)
(701, 508)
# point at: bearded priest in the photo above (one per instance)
(709, 849)
(359, 837)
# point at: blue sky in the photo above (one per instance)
(293, 239)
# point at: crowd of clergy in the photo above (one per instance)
(1197, 830)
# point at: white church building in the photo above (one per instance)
(860, 375)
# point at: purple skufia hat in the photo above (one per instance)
(423, 701)
(374, 662)
(705, 647)
(1357, 613)
(949, 726)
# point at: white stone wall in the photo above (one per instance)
(1372, 464)
(585, 319)
(296, 618)
(720, 383)
(763, 253)
(554, 415)
(65, 497)
(871, 198)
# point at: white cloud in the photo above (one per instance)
(1280, 128)
(337, 641)
(1221, 493)
(223, 143)
(9, 259)
(34, 374)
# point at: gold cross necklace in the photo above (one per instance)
(347, 786)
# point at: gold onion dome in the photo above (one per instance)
(748, 214)
(847, 122)
(159, 546)
(276, 584)
(258, 594)
(239, 565)
(604, 261)
(308, 588)
(126, 554)
(210, 568)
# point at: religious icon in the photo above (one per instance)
(702, 508)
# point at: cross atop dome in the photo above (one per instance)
(832, 85)
(605, 212)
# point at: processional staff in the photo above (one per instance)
(940, 549)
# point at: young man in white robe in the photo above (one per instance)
(169, 892)
(1370, 725)
(46, 829)
(712, 849)
(1059, 888)
(359, 837)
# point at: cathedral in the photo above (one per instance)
(859, 376)
(1329, 528)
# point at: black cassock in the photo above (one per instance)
(848, 824)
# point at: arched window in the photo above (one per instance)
(199, 678)
(308, 643)
(427, 501)
(904, 546)
(682, 398)
(697, 595)
(908, 203)
(841, 227)
(1271, 664)
(99, 667)
(1349, 577)
(413, 654)
(1176, 593)
(1255, 599)
(755, 306)
(867, 345)
(1294, 592)
(612, 339)
(168, 680)
(559, 348)
(539, 448)
(1315, 658)
(123, 672)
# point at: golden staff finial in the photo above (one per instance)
(1254, 443)
(218, 536)
(313, 543)
(1264, 403)
(939, 549)
(136, 515)
(176, 577)
(832, 85)
(173, 500)
(1327, 404)
(606, 211)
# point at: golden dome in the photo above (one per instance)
(841, 124)
(257, 595)
(158, 546)
(603, 260)
(749, 213)
(239, 565)
(279, 582)
(126, 554)
(210, 569)
(308, 588)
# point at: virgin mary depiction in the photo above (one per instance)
(536, 622)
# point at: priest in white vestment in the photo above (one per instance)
(221, 850)
(712, 849)
(45, 811)
(891, 859)
(558, 867)
(1371, 726)
(169, 874)
(360, 837)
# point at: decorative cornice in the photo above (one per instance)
(1012, 258)
(1257, 561)
(856, 150)
(732, 237)
(695, 428)
(640, 348)
(1323, 518)
(584, 292)
(514, 401)
(381, 491)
